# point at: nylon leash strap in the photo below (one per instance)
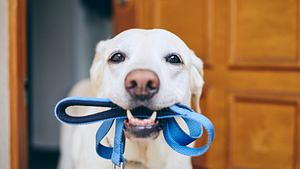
(175, 137)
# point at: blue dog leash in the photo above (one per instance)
(175, 137)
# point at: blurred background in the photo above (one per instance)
(62, 36)
(250, 50)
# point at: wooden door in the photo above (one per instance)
(252, 73)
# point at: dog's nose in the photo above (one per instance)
(142, 84)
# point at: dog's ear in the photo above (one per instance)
(196, 80)
(96, 70)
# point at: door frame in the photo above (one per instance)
(17, 49)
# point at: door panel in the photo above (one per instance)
(251, 53)
(264, 33)
(262, 130)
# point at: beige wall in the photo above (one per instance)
(4, 105)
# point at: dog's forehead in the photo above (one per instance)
(154, 37)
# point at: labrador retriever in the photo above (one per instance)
(153, 69)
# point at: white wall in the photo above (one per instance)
(4, 97)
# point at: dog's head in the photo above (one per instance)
(146, 68)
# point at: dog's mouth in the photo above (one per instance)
(141, 123)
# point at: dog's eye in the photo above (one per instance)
(174, 59)
(117, 58)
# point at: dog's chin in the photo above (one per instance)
(142, 132)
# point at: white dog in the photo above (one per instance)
(137, 68)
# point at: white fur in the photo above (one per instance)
(144, 49)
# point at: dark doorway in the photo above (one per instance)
(62, 35)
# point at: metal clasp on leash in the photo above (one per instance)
(114, 166)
